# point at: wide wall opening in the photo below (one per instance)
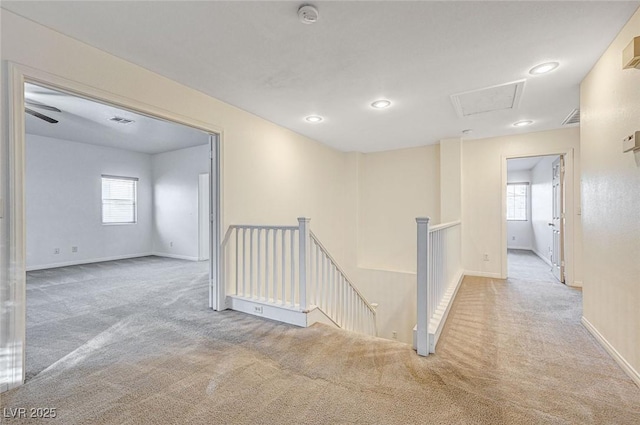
(118, 224)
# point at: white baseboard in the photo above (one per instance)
(524, 248)
(628, 369)
(482, 274)
(179, 257)
(542, 257)
(576, 284)
(433, 340)
(87, 261)
(316, 315)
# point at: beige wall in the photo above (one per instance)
(395, 187)
(610, 109)
(450, 180)
(483, 213)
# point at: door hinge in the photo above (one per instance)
(211, 218)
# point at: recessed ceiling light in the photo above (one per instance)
(543, 68)
(382, 103)
(522, 123)
(314, 118)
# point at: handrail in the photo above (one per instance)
(261, 227)
(444, 226)
(227, 235)
(346, 277)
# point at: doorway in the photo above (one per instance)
(113, 210)
(14, 338)
(535, 206)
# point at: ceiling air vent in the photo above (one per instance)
(121, 120)
(573, 118)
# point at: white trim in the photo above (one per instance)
(271, 311)
(316, 315)
(87, 261)
(522, 248)
(435, 335)
(626, 367)
(176, 256)
(444, 226)
(482, 274)
(542, 257)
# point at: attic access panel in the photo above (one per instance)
(488, 99)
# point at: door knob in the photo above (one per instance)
(550, 224)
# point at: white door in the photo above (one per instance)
(557, 226)
(203, 217)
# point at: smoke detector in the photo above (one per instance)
(308, 14)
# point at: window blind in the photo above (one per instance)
(119, 196)
(517, 201)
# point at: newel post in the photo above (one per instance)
(422, 331)
(303, 227)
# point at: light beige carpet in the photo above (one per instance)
(513, 352)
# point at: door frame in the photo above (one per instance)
(572, 210)
(13, 247)
(561, 218)
(204, 217)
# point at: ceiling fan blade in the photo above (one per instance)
(41, 105)
(39, 115)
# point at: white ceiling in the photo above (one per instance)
(86, 121)
(257, 56)
(524, 164)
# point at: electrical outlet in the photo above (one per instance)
(257, 309)
(56, 250)
(485, 257)
(74, 249)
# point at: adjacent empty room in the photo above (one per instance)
(117, 212)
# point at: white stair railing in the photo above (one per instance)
(438, 274)
(259, 264)
(334, 293)
(288, 267)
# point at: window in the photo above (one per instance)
(517, 194)
(119, 195)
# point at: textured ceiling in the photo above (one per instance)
(257, 56)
